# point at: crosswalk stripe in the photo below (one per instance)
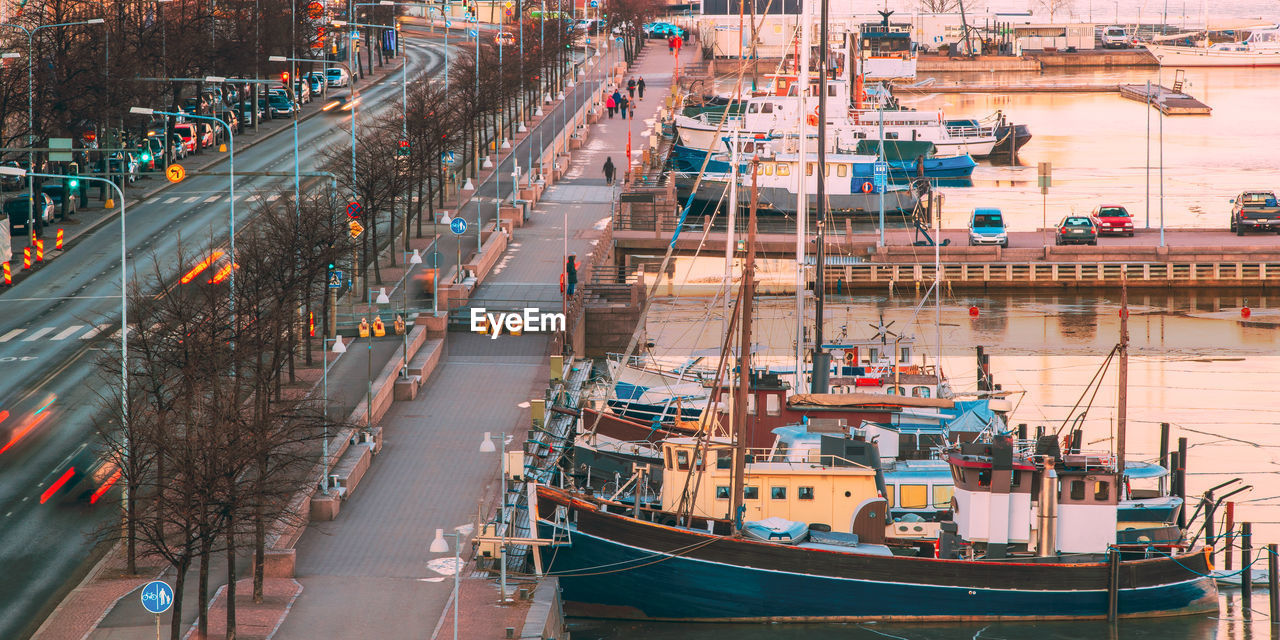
(254, 198)
(273, 197)
(37, 335)
(172, 199)
(11, 335)
(191, 199)
(66, 333)
(212, 199)
(95, 331)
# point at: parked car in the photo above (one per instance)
(1114, 37)
(229, 116)
(210, 133)
(125, 164)
(179, 145)
(986, 226)
(1256, 210)
(337, 76)
(281, 106)
(302, 89)
(11, 182)
(1113, 220)
(56, 192)
(1076, 230)
(17, 208)
(189, 136)
(316, 81)
(663, 30)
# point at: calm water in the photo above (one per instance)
(1195, 364)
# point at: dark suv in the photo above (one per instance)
(1076, 230)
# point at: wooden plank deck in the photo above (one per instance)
(1168, 101)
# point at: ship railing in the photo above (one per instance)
(800, 458)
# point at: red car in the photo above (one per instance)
(1113, 220)
(188, 133)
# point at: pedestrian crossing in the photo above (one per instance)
(222, 197)
(54, 333)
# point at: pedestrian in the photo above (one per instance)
(640, 86)
(623, 104)
(571, 265)
(608, 171)
(631, 88)
(671, 44)
(610, 106)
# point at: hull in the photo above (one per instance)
(777, 201)
(667, 573)
(688, 159)
(1172, 56)
(698, 135)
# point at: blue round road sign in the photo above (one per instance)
(157, 597)
(458, 226)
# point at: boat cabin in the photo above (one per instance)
(886, 51)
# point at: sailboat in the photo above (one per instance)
(1260, 49)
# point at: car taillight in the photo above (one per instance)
(1062, 230)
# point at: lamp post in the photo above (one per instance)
(338, 347)
(486, 446)
(31, 134)
(413, 260)
(438, 545)
(368, 403)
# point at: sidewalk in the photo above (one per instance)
(366, 574)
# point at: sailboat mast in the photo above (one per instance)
(1122, 402)
(744, 356)
(821, 364)
(802, 195)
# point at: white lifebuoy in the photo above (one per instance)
(867, 187)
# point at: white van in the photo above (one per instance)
(1114, 37)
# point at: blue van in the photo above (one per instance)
(986, 226)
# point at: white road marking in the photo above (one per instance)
(273, 197)
(66, 333)
(38, 334)
(11, 335)
(213, 199)
(191, 199)
(172, 200)
(95, 331)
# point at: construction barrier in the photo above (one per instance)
(58, 246)
(26, 257)
(39, 250)
(8, 277)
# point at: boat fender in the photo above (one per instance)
(867, 187)
(667, 521)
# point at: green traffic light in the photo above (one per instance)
(73, 183)
(146, 157)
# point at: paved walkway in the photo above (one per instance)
(366, 574)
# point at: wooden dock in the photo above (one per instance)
(1171, 102)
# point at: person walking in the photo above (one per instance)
(631, 88)
(623, 105)
(610, 106)
(608, 171)
(571, 265)
(671, 44)
(640, 87)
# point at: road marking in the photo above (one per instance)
(38, 334)
(254, 198)
(191, 199)
(11, 335)
(95, 331)
(273, 197)
(172, 200)
(212, 199)
(66, 333)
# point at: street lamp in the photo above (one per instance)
(413, 260)
(486, 446)
(338, 348)
(31, 134)
(368, 403)
(438, 545)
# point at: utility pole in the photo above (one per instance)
(821, 368)
(1122, 400)
(744, 357)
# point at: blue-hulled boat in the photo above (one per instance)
(689, 159)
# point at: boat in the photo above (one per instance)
(1260, 49)
(886, 50)
(775, 529)
(862, 162)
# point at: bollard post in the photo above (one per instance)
(8, 277)
(39, 250)
(1246, 568)
(26, 257)
(1229, 529)
(1181, 481)
(1273, 589)
(1113, 585)
(58, 246)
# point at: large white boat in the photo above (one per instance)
(1260, 49)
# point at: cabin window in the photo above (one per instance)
(960, 474)
(873, 354)
(913, 496)
(759, 169)
(768, 169)
(724, 459)
(889, 494)
(808, 170)
(984, 478)
(784, 170)
(942, 496)
(753, 108)
(766, 107)
(906, 355)
(751, 493)
(860, 135)
(804, 493)
(827, 171)
(722, 493)
(842, 170)
(919, 392)
(831, 91)
(772, 406)
(1016, 478)
(1102, 491)
(778, 493)
(891, 135)
(751, 405)
(1077, 489)
(748, 147)
(682, 460)
(889, 390)
(667, 451)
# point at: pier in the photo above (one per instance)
(1171, 102)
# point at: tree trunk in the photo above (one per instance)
(231, 570)
(131, 521)
(202, 626)
(373, 237)
(259, 553)
(175, 625)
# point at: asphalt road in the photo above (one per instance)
(57, 320)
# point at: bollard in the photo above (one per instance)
(8, 277)
(26, 257)
(1113, 585)
(1246, 565)
(1273, 588)
(39, 250)
(1229, 528)
(58, 246)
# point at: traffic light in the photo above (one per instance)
(146, 155)
(403, 150)
(284, 78)
(73, 182)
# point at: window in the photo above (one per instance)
(682, 460)
(753, 108)
(808, 170)
(906, 355)
(1077, 489)
(889, 493)
(860, 135)
(751, 405)
(919, 392)
(778, 493)
(766, 107)
(724, 459)
(913, 496)
(889, 390)
(784, 170)
(942, 496)
(772, 406)
(842, 170)
(722, 493)
(1102, 491)
(768, 168)
(1016, 478)
(891, 135)
(984, 478)
(667, 457)
(804, 493)
(751, 493)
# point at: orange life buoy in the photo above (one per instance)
(850, 358)
(867, 187)
(813, 121)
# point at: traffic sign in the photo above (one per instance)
(175, 173)
(473, 33)
(458, 226)
(880, 176)
(450, 158)
(60, 143)
(157, 597)
(595, 4)
(356, 229)
(335, 279)
(354, 210)
(315, 10)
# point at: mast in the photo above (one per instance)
(802, 196)
(744, 357)
(1122, 402)
(729, 230)
(821, 366)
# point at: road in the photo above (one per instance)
(56, 322)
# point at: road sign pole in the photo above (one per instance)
(157, 626)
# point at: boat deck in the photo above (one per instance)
(1168, 101)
